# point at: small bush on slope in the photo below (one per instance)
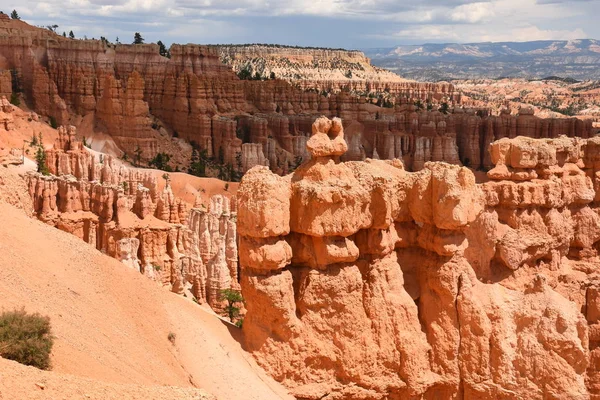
(26, 338)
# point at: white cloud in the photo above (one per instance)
(203, 30)
(529, 33)
(472, 13)
(468, 33)
(499, 20)
(369, 20)
(428, 32)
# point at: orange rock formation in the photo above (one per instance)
(130, 90)
(123, 213)
(366, 281)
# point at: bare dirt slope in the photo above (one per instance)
(27, 383)
(112, 324)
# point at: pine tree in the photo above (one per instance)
(162, 49)
(71, 35)
(198, 163)
(232, 297)
(161, 161)
(245, 73)
(14, 14)
(138, 39)
(40, 158)
(193, 162)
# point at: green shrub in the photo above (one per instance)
(444, 108)
(171, 337)
(232, 297)
(245, 73)
(161, 161)
(53, 123)
(26, 338)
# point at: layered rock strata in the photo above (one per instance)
(130, 91)
(331, 70)
(365, 281)
(123, 213)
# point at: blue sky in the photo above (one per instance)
(336, 23)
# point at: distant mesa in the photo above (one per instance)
(575, 59)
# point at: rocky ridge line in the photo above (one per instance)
(141, 99)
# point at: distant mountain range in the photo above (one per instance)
(578, 59)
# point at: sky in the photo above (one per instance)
(351, 24)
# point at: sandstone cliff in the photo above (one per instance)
(366, 281)
(143, 100)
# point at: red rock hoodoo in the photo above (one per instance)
(366, 281)
(123, 213)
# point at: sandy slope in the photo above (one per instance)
(188, 187)
(111, 323)
(24, 129)
(27, 383)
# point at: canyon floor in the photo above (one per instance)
(112, 325)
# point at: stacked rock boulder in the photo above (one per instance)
(122, 212)
(365, 281)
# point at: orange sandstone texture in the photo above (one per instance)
(365, 281)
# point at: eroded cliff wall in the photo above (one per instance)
(366, 281)
(131, 91)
